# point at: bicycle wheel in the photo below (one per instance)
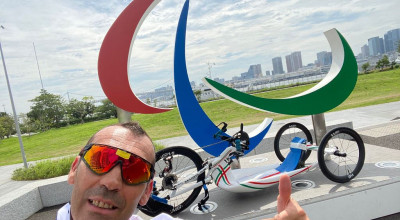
(285, 135)
(341, 154)
(172, 165)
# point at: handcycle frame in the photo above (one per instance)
(218, 169)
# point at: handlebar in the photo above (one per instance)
(240, 139)
(223, 129)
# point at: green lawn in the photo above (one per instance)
(371, 89)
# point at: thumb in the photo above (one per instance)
(285, 189)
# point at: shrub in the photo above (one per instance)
(44, 169)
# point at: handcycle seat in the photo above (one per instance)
(247, 174)
(288, 165)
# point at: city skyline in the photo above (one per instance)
(232, 34)
(378, 45)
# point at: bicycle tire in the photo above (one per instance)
(190, 162)
(285, 135)
(347, 141)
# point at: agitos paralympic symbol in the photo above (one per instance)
(113, 66)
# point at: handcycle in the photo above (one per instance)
(181, 173)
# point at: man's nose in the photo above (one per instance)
(113, 179)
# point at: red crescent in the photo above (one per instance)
(114, 58)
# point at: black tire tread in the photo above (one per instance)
(321, 154)
(192, 155)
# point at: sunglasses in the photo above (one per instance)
(102, 158)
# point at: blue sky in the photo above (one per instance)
(233, 34)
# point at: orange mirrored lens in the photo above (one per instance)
(136, 170)
(101, 159)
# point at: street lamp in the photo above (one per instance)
(34, 49)
(13, 108)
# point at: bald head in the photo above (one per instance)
(127, 136)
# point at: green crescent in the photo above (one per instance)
(326, 95)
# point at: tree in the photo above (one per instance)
(385, 61)
(80, 109)
(392, 64)
(378, 64)
(2, 132)
(26, 125)
(365, 67)
(47, 110)
(174, 98)
(106, 110)
(197, 93)
(6, 126)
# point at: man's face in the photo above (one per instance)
(107, 196)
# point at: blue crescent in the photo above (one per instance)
(196, 122)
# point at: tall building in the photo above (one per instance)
(277, 65)
(381, 49)
(298, 63)
(289, 65)
(375, 45)
(245, 75)
(324, 58)
(365, 51)
(255, 71)
(293, 61)
(392, 39)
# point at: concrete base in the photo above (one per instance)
(32, 197)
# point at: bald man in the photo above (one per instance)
(111, 175)
(102, 192)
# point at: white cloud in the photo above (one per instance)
(233, 34)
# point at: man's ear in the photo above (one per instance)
(146, 195)
(72, 171)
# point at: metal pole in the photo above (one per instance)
(68, 97)
(123, 116)
(38, 65)
(13, 108)
(319, 127)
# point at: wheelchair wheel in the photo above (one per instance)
(172, 165)
(285, 135)
(341, 154)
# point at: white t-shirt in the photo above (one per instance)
(64, 214)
